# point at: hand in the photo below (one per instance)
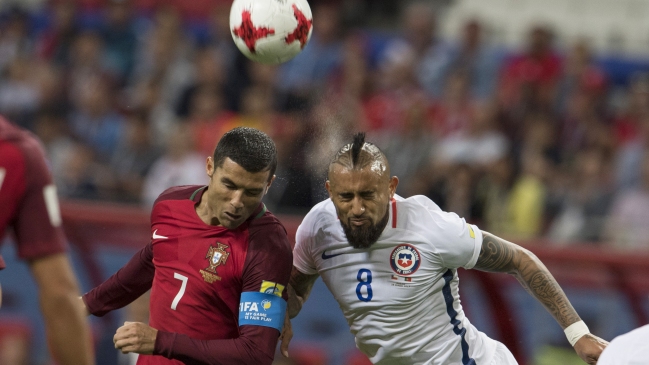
(286, 336)
(589, 347)
(135, 337)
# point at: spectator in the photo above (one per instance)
(477, 59)
(134, 157)
(627, 227)
(529, 80)
(207, 119)
(396, 86)
(410, 147)
(96, 122)
(14, 38)
(586, 201)
(432, 54)
(452, 112)
(209, 72)
(479, 145)
(165, 56)
(309, 70)
(54, 43)
(235, 64)
(493, 195)
(581, 74)
(147, 96)
(120, 38)
(180, 165)
(19, 92)
(528, 197)
(631, 151)
(86, 65)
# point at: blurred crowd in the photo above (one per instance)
(526, 143)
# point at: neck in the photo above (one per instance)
(205, 212)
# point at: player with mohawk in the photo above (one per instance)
(391, 263)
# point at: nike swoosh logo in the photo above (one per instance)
(155, 236)
(327, 257)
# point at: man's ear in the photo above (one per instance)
(394, 182)
(209, 166)
(328, 187)
(270, 182)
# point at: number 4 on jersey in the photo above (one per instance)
(181, 292)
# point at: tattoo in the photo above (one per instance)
(299, 288)
(496, 255)
(499, 255)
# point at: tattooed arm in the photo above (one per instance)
(299, 288)
(499, 255)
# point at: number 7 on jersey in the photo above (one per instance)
(181, 292)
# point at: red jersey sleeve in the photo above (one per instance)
(268, 265)
(28, 198)
(126, 285)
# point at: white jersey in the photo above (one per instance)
(628, 349)
(400, 296)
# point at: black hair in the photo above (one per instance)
(250, 148)
(359, 141)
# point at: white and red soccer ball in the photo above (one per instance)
(271, 31)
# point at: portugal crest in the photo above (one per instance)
(216, 256)
(404, 259)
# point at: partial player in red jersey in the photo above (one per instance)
(217, 266)
(29, 205)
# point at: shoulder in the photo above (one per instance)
(178, 193)
(28, 145)
(269, 233)
(417, 208)
(422, 214)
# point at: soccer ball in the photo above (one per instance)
(271, 31)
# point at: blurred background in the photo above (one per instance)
(528, 118)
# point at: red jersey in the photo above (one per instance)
(28, 201)
(197, 273)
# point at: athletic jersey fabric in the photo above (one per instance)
(400, 296)
(197, 273)
(28, 200)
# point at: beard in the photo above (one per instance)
(364, 237)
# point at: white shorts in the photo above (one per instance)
(503, 356)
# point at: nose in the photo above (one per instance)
(236, 201)
(357, 207)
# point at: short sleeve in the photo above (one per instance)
(457, 242)
(38, 219)
(268, 263)
(302, 258)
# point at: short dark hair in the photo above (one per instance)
(360, 154)
(250, 148)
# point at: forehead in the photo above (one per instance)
(342, 178)
(240, 176)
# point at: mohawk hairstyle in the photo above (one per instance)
(359, 154)
(357, 145)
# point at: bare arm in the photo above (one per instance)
(65, 323)
(499, 255)
(299, 289)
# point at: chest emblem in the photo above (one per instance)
(216, 256)
(404, 259)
